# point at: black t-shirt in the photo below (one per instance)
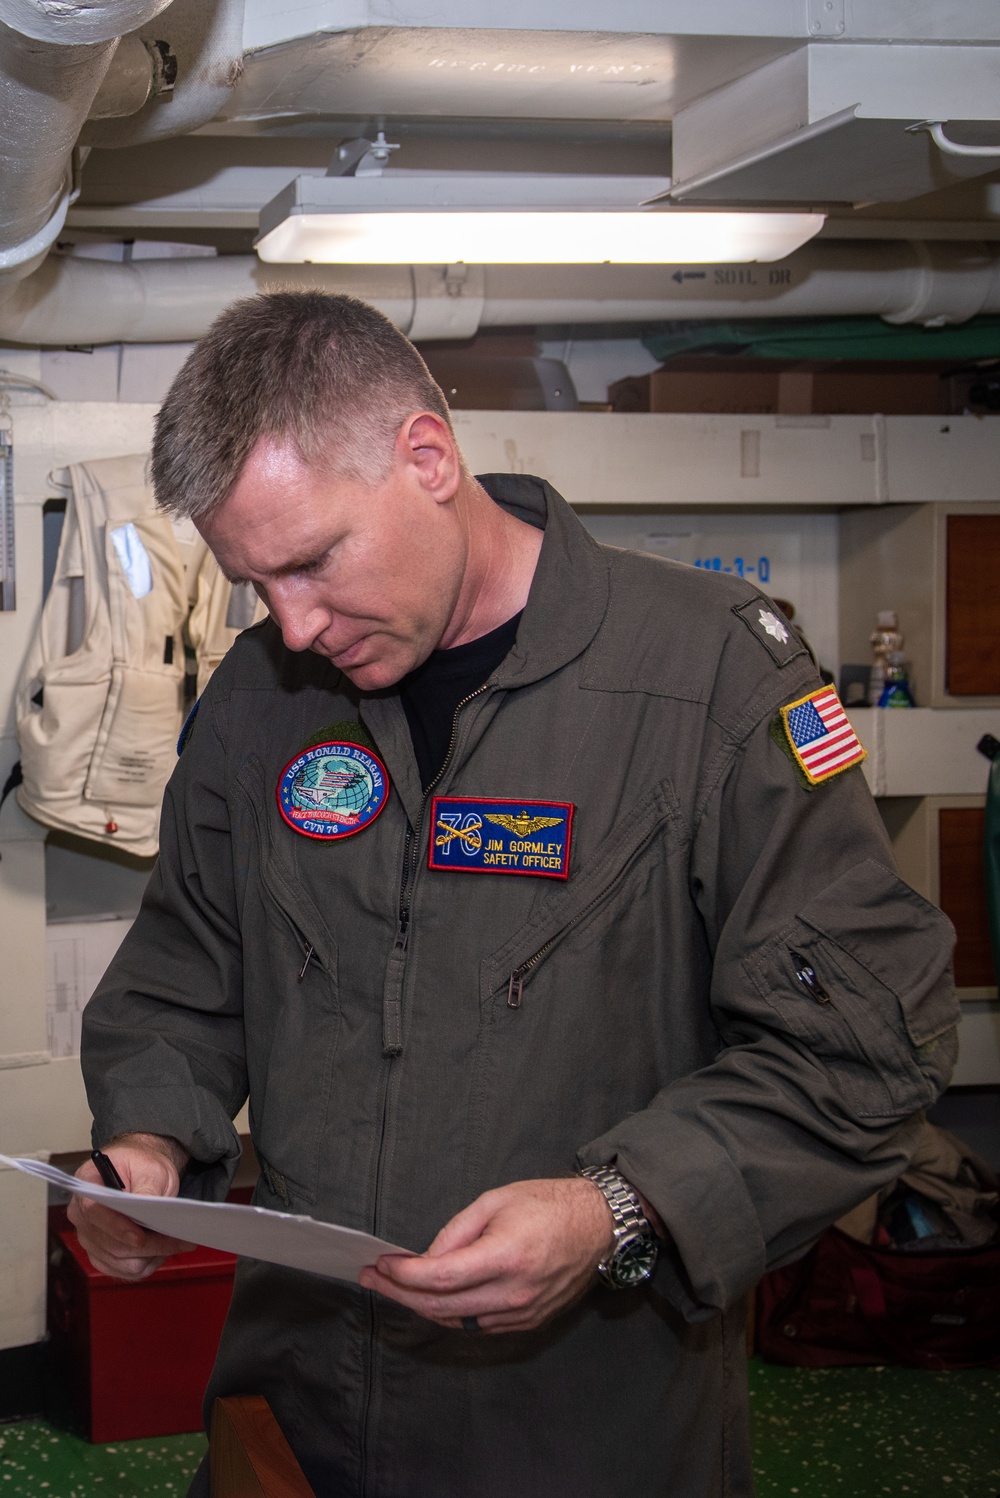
(432, 692)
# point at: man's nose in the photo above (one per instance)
(296, 615)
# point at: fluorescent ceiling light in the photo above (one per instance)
(512, 219)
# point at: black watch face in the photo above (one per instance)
(634, 1261)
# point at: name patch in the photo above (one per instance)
(470, 835)
(333, 790)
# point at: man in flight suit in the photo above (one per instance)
(496, 856)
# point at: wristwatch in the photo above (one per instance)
(636, 1247)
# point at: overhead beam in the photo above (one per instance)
(863, 20)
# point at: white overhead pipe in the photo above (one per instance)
(205, 38)
(53, 59)
(72, 22)
(931, 283)
(75, 300)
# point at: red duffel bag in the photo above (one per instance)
(847, 1302)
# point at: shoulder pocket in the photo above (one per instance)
(863, 977)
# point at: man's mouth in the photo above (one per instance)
(350, 653)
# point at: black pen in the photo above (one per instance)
(108, 1174)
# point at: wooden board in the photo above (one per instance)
(250, 1457)
(972, 648)
(963, 893)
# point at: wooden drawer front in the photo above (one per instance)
(972, 648)
(963, 893)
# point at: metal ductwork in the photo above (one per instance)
(54, 60)
(113, 73)
(75, 300)
(204, 40)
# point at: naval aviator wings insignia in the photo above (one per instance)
(522, 825)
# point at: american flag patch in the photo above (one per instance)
(821, 736)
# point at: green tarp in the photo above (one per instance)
(828, 338)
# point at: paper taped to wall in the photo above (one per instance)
(255, 1232)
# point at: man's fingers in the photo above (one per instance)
(145, 1245)
(95, 1218)
(497, 1307)
(98, 1221)
(465, 1227)
(124, 1268)
(114, 1243)
(514, 1258)
(447, 1308)
(463, 1253)
(445, 1274)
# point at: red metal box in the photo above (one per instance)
(136, 1357)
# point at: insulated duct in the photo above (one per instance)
(205, 38)
(75, 300)
(53, 59)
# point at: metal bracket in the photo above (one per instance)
(935, 129)
(455, 277)
(826, 17)
(361, 157)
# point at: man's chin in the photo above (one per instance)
(372, 676)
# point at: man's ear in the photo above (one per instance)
(426, 448)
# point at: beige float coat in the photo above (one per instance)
(101, 697)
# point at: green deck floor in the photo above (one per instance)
(832, 1433)
(866, 1432)
(37, 1459)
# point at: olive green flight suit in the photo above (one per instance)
(661, 1025)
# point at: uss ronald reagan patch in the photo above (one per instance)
(820, 735)
(333, 789)
(476, 835)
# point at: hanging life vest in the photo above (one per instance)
(102, 694)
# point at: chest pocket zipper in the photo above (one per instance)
(275, 886)
(519, 975)
(310, 956)
(516, 981)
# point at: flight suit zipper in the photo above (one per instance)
(392, 1046)
(392, 1033)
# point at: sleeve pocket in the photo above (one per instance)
(863, 977)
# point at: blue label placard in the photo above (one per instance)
(472, 835)
(332, 790)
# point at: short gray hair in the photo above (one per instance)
(327, 371)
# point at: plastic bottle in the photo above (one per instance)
(896, 691)
(884, 637)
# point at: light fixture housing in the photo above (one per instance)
(510, 218)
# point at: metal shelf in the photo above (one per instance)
(768, 462)
(925, 751)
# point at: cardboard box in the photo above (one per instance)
(768, 387)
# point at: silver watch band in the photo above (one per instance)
(626, 1208)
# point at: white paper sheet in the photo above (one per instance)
(255, 1232)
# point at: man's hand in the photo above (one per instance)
(512, 1259)
(150, 1165)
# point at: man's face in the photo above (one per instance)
(367, 577)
